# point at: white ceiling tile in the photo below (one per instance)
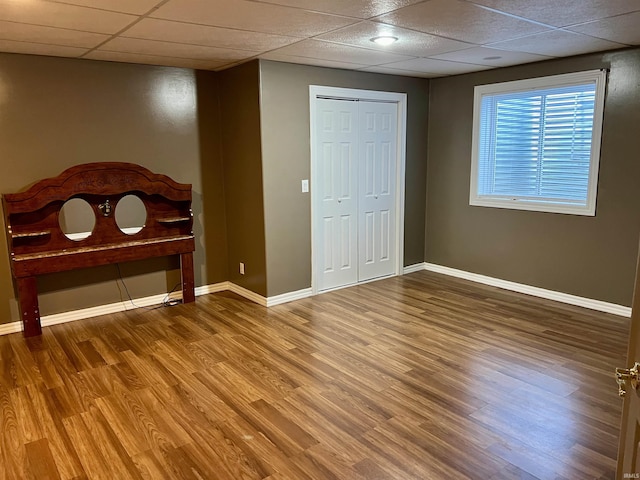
(39, 12)
(55, 36)
(462, 35)
(339, 53)
(40, 49)
(245, 15)
(153, 60)
(409, 42)
(490, 56)
(154, 29)
(566, 12)
(310, 61)
(621, 29)
(397, 71)
(351, 8)
(461, 21)
(177, 50)
(557, 43)
(137, 7)
(436, 67)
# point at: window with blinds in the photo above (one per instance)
(536, 143)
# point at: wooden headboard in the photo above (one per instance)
(37, 244)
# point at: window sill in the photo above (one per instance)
(534, 206)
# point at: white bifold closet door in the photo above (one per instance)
(354, 191)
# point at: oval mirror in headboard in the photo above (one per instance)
(77, 219)
(131, 214)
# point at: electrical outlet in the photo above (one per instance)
(305, 186)
(241, 268)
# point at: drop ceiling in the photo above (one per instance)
(435, 37)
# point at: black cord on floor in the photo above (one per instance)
(167, 301)
(170, 302)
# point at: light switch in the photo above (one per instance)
(305, 186)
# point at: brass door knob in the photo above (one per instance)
(631, 374)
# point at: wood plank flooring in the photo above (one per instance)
(415, 377)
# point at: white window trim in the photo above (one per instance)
(599, 76)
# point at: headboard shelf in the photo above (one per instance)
(23, 265)
(38, 245)
(171, 220)
(41, 233)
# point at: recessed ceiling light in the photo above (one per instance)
(384, 40)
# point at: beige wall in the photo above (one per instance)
(213, 214)
(594, 257)
(240, 139)
(286, 161)
(55, 113)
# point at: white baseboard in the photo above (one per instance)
(535, 291)
(413, 268)
(83, 313)
(289, 297)
(213, 288)
(64, 317)
(248, 294)
(13, 327)
(269, 301)
(152, 300)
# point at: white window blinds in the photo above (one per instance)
(537, 143)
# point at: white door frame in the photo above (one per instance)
(337, 93)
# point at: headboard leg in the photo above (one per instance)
(29, 310)
(186, 265)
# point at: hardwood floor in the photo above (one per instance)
(414, 377)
